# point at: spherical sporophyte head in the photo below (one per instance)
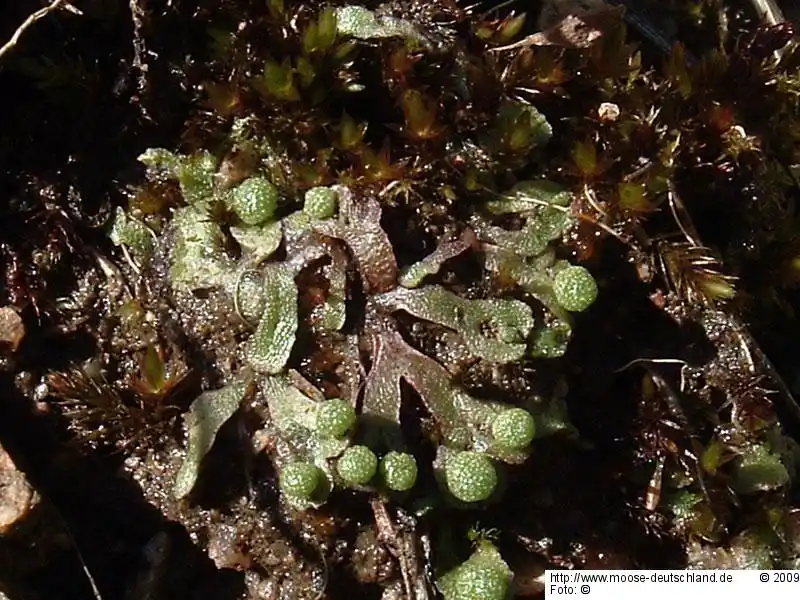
(478, 582)
(320, 202)
(335, 418)
(575, 288)
(357, 465)
(300, 480)
(470, 476)
(254, 200)
(513, 428)
(399, 471)
(484, 576)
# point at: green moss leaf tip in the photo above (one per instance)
(259, 241)
(207, 414)
(275, 335)
(363, 24)
(132, 233)
(494, 329)
(759, 469)
(198, 258)
(195, 173)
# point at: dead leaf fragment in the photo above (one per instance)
(578, 30)
(17, 497)
(206, 416)
(12, 330)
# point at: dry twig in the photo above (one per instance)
(402, 545)
(138, 15)
(32, 18)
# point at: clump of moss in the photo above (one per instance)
(402, 249)
(267, 258)
(297, 238)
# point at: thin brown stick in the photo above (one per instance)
(681, 215)
(769, 11)
(32, 18)
(137, 8)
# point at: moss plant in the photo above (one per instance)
(399, 471)
(357, 465)
(295, 276)
(373, 206)
(470, 476)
